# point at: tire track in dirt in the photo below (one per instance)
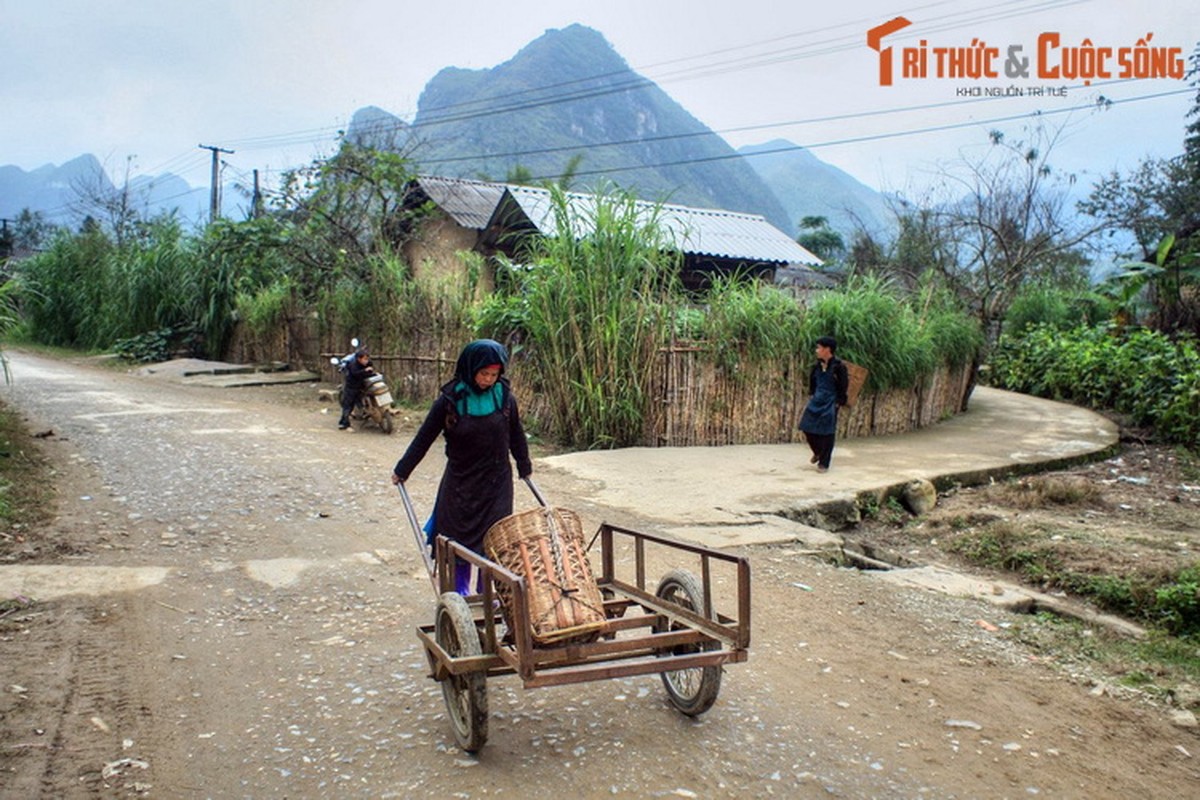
(73, 717)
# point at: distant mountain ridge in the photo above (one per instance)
(59, 192)
(623, 128)
(566, 99)
(809, 187)
(47, 189)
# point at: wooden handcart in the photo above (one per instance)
(674, 629)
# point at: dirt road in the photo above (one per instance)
(225, 605)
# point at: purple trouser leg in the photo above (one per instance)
(462, 577)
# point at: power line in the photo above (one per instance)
(633, 81)
(867, 138)
(744, 128)
(828, 143)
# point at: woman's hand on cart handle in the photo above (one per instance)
(396, 479)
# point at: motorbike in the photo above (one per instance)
(375, 405)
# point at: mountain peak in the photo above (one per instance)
(574, 37)
(372, 127)
(568, 107)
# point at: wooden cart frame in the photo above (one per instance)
(675, 629)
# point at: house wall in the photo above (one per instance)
(433, 251)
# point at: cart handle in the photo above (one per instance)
(537, 494)
(422, 547)
(419, 535)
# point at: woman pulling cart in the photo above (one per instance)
(477, 414)
(673, 629)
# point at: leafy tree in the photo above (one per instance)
(1158, 204)
(923, 246)
(821, 240)
(30, 231)
(1142, 203)
(991, 224)
(1191, 142)
(866, 255)
(335, 214)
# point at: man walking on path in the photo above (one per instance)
(827, 385)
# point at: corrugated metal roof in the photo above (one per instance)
(469, 203)
(695, 231)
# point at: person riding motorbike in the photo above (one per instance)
(356, 373)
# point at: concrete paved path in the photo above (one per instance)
(745, 494)
(751, 494)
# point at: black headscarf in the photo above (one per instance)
(469, 399)
(477, 355)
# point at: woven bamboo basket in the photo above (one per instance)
(858, 376)
(545, 546)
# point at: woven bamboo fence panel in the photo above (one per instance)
(700, 404)
(944, 395)
(244, 349)
(692, 402)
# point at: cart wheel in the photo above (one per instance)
(694, 690)
(466, 694)
(385, 421)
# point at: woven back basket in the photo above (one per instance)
(545, 546)
(858, 377)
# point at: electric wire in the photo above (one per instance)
(948, 21)
(633, 81)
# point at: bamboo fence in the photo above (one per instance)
(700, 404)
(693, 401)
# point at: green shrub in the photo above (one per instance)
(1177, 604)
(160, 345)
(949, 331)
(1142, 373)
(1057, 307)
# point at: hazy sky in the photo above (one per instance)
(141, 83)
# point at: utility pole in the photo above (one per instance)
(214, 203)
(6, 240)
(257, 201)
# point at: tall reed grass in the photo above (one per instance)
(593, 304)
(86, 292)
(746, 319)
(61, 289)
(876, 328)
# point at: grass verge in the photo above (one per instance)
(26, 485)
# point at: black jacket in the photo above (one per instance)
(841, 378)
(356, 376)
